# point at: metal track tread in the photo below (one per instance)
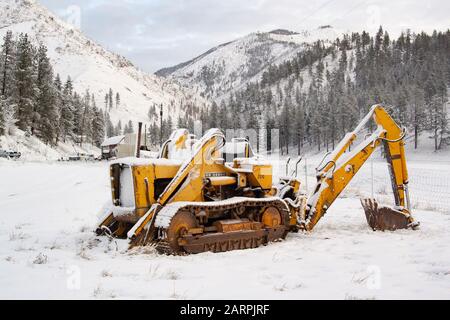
(221, 242)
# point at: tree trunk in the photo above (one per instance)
(5, 66)
(318, 141)
(416, 133)
(435, 139)
(287, 143)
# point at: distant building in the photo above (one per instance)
(110, 147)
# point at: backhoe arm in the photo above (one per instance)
(337, 173)
(394, 147)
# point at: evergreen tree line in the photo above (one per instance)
(117, 130)
(158, 130)
(36, 101)
(321, 94)
(111, 100)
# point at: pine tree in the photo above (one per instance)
(110, 99)
(68, 87)
(45, 112)
(86, 118)
(110, 130)
(223, 119)
(2, 117)
(9, 117)
(58, 88)
(213, 116)
(190, 124)
(98, 127)
(417, 115)
(57, 83)
(152, 113)
(66, 112)
(153, 134)
(181, 122)
(117, 100)
(119, 128)
(285, 126)
(437, 120)
(107, 109)
(319, 74)
(169, 127)
(128, 128)
(7, 62)
(78, 109)
(24, 91)
(299, 122)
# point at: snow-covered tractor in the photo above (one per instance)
(193, 199)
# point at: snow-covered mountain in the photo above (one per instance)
(91, 66)
(228, 67)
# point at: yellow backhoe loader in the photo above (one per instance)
(199, 202)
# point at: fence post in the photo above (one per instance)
(306, 173)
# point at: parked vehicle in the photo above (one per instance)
(10, 154)
(81, 157)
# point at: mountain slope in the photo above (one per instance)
(230, 66)
(92, 67)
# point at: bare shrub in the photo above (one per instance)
(382, 190)
(14, 236)
(40, 259)
(83, 254)
(153, 271)
(172, 275)
(106, 274)
(85, 229)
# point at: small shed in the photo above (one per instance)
(110, 145)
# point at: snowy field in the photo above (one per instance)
(48, 250)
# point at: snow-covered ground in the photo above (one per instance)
(48, 212)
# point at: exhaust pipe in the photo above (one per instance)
(138, 140)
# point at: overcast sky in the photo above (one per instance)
(161, 33)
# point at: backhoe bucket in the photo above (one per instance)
(385, 218)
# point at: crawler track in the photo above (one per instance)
(250, 209)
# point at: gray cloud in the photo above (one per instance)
(156, 33)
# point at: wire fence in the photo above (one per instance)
(429, 181)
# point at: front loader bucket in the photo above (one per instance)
(385, 218)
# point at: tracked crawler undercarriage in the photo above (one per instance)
(221, 197)
(238, 223)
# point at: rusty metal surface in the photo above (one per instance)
(384, 218)
(229, 234)
(222, 242)
(271, 217)
(226, 226)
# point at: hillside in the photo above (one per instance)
(34, 150)
(320, 93)
(230, 66)
(91, 66)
